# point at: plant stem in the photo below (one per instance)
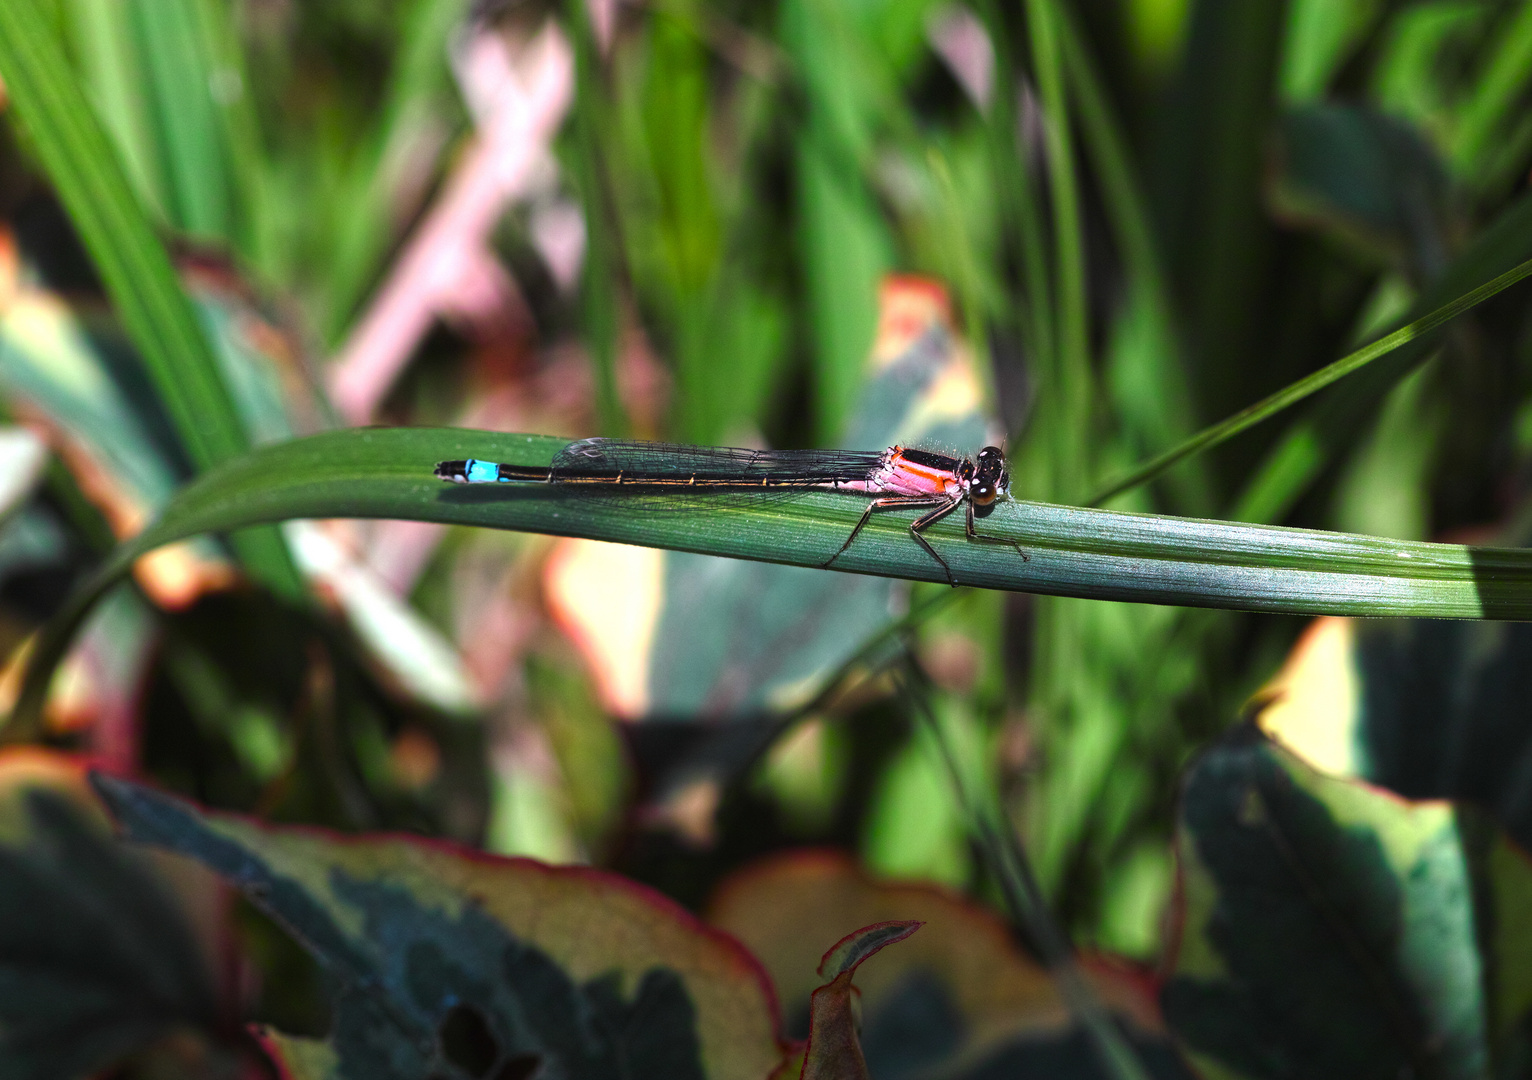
(1293, 393)
(1029, 913)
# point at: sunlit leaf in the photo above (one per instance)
(1071, 551)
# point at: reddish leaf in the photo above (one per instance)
(960, 999)
(834, 1053)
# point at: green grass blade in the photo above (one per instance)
(600, 292)
(133, 264)
(1221, 432)
(1312, 441)
(1073, 551)
(1071, 424)
(998, 844)
(369, 187)
(105, 48)
(1498, 94)
(186, 118)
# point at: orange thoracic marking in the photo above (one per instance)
(925, 472)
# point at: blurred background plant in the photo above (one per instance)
(1087, 230)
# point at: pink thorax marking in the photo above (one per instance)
(898, 475)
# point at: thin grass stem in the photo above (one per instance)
(1006, 859)
(1290, 395)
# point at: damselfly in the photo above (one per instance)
(898, 478)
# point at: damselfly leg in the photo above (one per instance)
(944, 505)
(972, 535)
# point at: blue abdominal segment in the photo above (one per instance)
(482, 472)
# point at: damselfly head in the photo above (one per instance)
(991, 478)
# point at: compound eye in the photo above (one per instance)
(991, 453)
(982, 493)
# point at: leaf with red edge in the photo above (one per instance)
(834, 1053)
(848, 953)
(451, 964)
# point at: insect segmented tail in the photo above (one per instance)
(471, 471)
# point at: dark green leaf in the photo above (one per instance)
(96, 958)
(1367, 177)
(1328, 929)
(1430, 710)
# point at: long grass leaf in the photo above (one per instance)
(181, 76)
(1071, 551)
(133, 264)
(1072, 370)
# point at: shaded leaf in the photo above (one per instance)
(1327, 928)
(96, 957)
(474, 966)
(1368, 177)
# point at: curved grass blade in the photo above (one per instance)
(133, 264)
(1224, 430)
(1073, 551)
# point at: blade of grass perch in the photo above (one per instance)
(1074, 551)
(1224, 430)
(134, 266)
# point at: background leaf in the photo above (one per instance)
(98, 960)
(1376, 896)
(441, 960)
(132, 263)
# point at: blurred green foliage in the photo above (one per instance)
(1146, 214)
